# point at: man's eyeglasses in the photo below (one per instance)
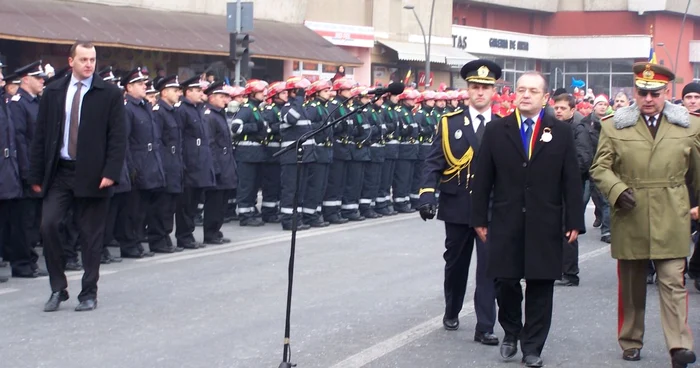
(643, 93)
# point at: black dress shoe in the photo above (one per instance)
(194, 245)
(682, 357)
(318, 224)
(73, 266)
(217, 241)
(165, 250)
(597, 223)
(450, 324)
(86, 305)
(565, 281)
(509, 348)
(650, 279)
(631, 355)
(336, 220)
(271, 219)
(252, 222)
(28, 274)
(384, 212)
(532, 361)
(147, 254)
(300, 227)
(486, 338)
(354, 216)
(132, 253)
(55, 300)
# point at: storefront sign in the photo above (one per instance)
(503, 43)
(459, 42)
(343, 34)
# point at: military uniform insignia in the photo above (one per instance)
(648, 73)
(125, 102)
(156, 107)
(177, 104)
(16, 97)
(483, 71)
(313, 104)
(334, 102)
(466, 121)
(458, 134)
(546, 135)
(207, 112)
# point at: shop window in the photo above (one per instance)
(622, 66)
(310, 66)
(696, 72)
(509, 64)
(600, 83)
(599, 67)
(575, 67)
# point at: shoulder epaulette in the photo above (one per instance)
(207, 112)
(17, 97)
(606, 117)
(125, 102)
(246, 105)
(313, 104)
(334, 102)
(287, 104)
(453, 113)
(268, 107)
(156, 107)
(177, 104)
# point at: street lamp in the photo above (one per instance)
(673, 63)
(426, 39)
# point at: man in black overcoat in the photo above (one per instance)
(527, 161)
(76, 157)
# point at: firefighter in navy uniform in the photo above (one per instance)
(197, 160)
(384, 205)
(224, 163)
(360, 135)
(170, 154)
(342, 131)
(270, 178)
(373, 168)
(250, 131)
(426, 118)
(408, 151)
(316, 110)
(145, 168)
(449, 169)
(107, 74)
(237, 100)
(294, 124)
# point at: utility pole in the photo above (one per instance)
(237, 75)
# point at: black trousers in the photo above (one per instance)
(247, 191)
(315, 190)
(333, 198)
(271, 189)
(115, 227)
(415, 182)
(354, 177)
(289, 177)
(370, 185)
(403, 175)
(17, 248)
(215, 201)
(185, 213)
(386, 181)
(459, 245)
(570, 262)
(159, 225)
(69, 232)
(539, 295)
(141, 212)
(89, 214)
(31, 219)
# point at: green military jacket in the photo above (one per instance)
(655, 169)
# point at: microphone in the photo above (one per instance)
(393, 88)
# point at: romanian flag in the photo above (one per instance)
(408, 77)
(652, 54)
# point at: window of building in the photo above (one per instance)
(608, 77)
(696, 72)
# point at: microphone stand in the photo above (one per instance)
(298, 146)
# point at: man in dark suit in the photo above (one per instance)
(77, 156)
(528, 162)
(448, 167)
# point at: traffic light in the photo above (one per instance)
(240, 52)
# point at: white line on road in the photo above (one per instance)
(7, 291)
(404, 338)
(255, 243)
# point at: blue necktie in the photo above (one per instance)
(527, 136)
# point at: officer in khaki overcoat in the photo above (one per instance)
(643, 156)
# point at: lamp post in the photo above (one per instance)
(673, 65)
(426, 39)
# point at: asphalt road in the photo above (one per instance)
(366, 294)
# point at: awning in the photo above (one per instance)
(438, 53)
(62, 22)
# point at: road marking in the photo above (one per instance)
(404, 338)
(7, 291)
(255, 243)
